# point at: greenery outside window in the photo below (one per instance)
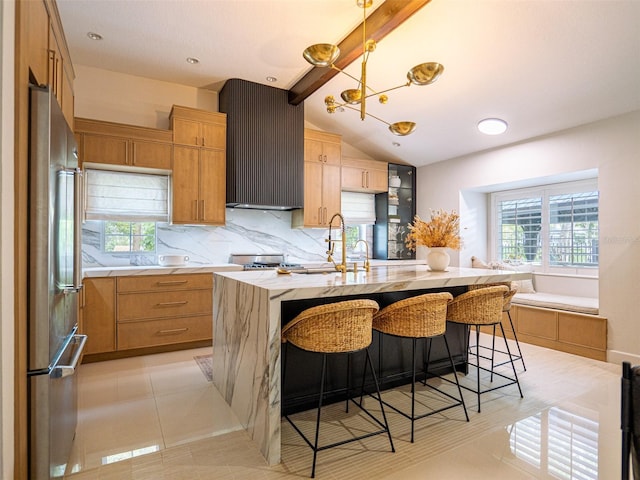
(554, 227)
(129, 237)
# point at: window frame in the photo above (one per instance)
(104, 234)
(544, 192)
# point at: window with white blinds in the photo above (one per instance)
(359, 208)
(553, 226)
(125, 196)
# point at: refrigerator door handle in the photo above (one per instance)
(60, 371)
(77, 229)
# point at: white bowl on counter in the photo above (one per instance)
(172, 260)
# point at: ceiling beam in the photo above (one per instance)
(383, 20)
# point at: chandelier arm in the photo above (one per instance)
(347, 74)
(388, 89)
(366, 113)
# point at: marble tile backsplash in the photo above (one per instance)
(246, 231)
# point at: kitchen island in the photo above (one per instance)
(248, 314)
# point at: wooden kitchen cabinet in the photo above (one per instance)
(38, 38)
(199, 128)
(121, 314)
(199, 166)
(199, 186)
(48, 58)
(160, 310)
(361, 175)
(322, 179)
(124, 145)
(98, 314)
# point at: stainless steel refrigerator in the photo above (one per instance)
(54, 347)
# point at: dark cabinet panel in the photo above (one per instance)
(395, 210)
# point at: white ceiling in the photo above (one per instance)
(542, 65)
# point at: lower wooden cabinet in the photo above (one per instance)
(98, 314)
(577, 333)
(126, 313)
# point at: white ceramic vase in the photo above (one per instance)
(438, 259)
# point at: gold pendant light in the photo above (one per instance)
(325, 55)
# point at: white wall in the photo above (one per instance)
(611, 146)
(117, 97)
(7, 352)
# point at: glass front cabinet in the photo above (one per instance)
(395, 210)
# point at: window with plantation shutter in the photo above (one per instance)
(554, 227)
(125, 196)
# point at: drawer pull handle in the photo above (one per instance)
(172, 282)
(172, 304)
(172, 331)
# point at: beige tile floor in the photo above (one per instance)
(156, 417)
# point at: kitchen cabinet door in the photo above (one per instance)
(213, 185)
(314, 213)
(331, 193)
(186, 175)
(98, 314)
(38, 38)
(362, 175)
(214, 135)
(186, 132)
(151, 154)
(105, 149)
(322, 179)
(200, 128)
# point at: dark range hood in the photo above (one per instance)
(265, 146)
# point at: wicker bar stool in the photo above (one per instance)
(506, 308)
(336, 328)
(423, 316)
(483, 306)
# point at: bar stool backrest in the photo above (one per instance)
(332, 328)
(482, 306)
(506, 304)
(422, 316)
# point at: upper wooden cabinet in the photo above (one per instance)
(48, 56)
(199, 186)
(198, 128)
(127, 145)
(360, 175)
(38, 38)
(322, 185)
(199, 166)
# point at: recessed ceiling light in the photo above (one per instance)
(492, 126)
(192, 60)
(272, 79)
(94, 36)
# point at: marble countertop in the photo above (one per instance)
(156, 270)
(379, 279)
(128, 270)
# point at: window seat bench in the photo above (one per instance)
(566, 323)
(557, 302)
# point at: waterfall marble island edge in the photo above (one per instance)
(247, 322)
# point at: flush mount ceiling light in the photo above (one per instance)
(325, 55)
(94, 36)
(492, 126)
(192, 60)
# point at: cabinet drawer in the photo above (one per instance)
(150, 283)
(133, 306)
(152, 333)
